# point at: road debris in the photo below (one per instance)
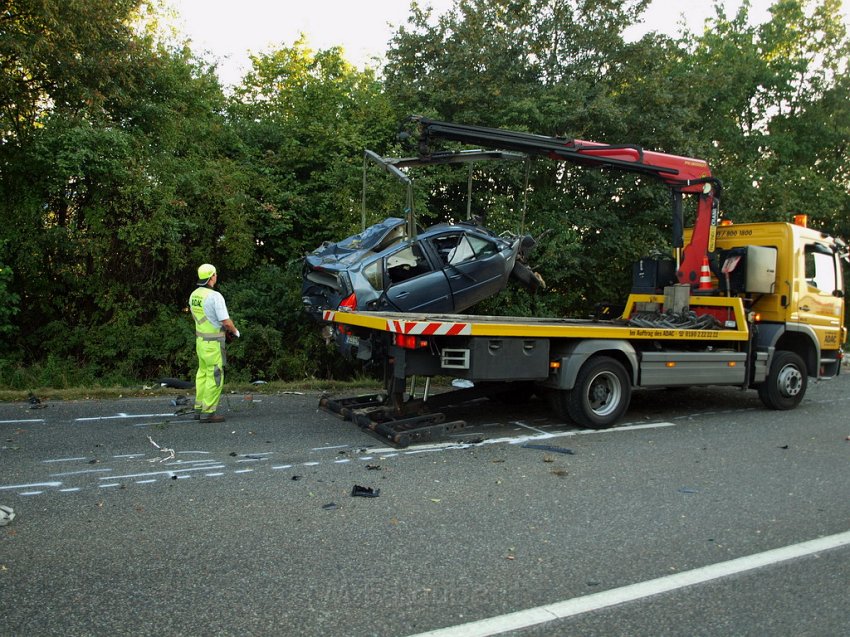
(35, 402)
(170, 452)
(176, 383)
(364, 492)
(7, 514)
(551, 448)
(330, 506)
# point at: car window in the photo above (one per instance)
(462, 252)
(374, 275)
(820, 268)
(406, 264)
(482, 247)
(445, 244)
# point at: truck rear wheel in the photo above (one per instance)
(601, 394)
(786, 382)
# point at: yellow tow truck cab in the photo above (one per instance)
(791, 280)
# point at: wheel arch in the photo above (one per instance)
(574, 355)
(792, 337)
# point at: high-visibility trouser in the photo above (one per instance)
(209, 380)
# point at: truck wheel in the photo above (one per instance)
(786, 382)
(601, 394)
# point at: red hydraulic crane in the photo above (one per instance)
(684, 175)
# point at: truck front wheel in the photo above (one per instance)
(786, 382)
(601, 394)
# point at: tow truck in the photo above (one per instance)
(756, 305)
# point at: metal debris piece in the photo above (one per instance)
(7, 514)
(170, 452)
(551, 448)
(364, 492)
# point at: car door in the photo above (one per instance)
(413, 284)
(475, 267)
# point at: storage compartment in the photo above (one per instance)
(651, 275)
(672, 369)
(754, 271)
(509, 359)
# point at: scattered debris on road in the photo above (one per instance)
(7, 514)
(364, 492)
(170, 452)
(551, 448)
(35, 402)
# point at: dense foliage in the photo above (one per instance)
(124, 163)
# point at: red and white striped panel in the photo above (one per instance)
(328, 315)
(429, 328)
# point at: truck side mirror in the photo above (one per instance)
(838, 293)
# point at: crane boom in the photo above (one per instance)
(684, 175)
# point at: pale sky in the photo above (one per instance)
(228, 31)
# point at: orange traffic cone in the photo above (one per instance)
(705, 275)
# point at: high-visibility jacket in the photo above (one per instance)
(204, 329)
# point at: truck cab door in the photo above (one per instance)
(821, 299)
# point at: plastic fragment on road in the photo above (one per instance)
(551, 448)
(170, 452)
(7, 514)
(364, 492)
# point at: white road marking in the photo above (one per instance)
(76, 473)
(244, 471)
(519, 440)
(20, 422)
(579, 605)
(63, 460)
(523, 425)
(162, 473)
(33, 484)
(283, 466)
(122, 417)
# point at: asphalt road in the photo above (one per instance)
(251, 528)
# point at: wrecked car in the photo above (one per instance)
(447, 268)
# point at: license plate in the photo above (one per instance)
(352, 340)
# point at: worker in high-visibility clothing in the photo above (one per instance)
(212, 324)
